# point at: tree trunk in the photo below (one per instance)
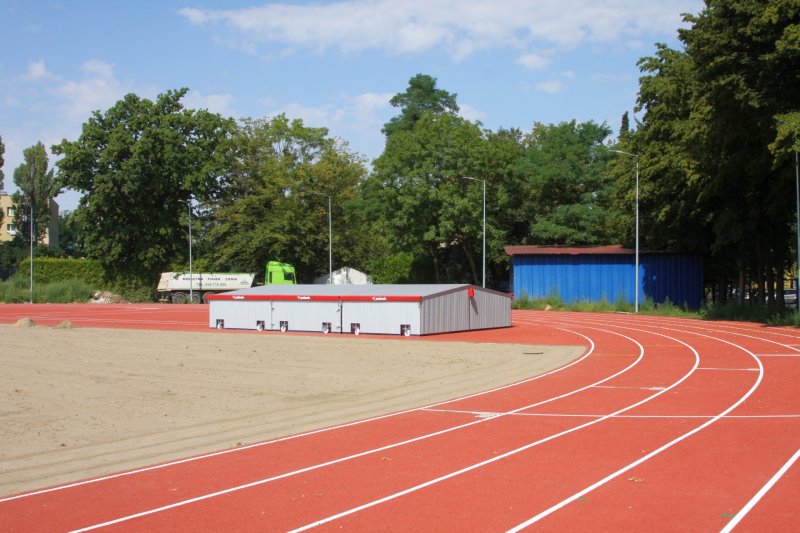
(435, 254)
(471, 262)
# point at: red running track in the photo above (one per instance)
(663, 424)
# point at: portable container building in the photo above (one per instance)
(382, 309)
(605, 272)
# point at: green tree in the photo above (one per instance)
(419, 98)
(138, 165)
(564, 187)
(625, 126)
(37, 187)
(425, 206)
(71, 233)
(744, 54)
(276, 207)
(671, 205)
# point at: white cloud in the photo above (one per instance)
(216, 103)
(98, 69)
(460, 28)
(357, 119)
(534, 61)
(37, 71)
(98, 90)
(471, 113)
(568, 74)
(551, 86)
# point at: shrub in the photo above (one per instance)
(16, 289)
(54, 269)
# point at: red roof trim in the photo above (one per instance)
(613, 249)
(312, 298)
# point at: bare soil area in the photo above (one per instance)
(77, 403)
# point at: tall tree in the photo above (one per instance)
(138, 166)
(429, 210)
(276, 207)
(36, 188)
(624, 126)
(745, 55)
(566, 191)
(672, 209)
(419, 98)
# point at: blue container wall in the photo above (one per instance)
(575, 278)
(677, 278)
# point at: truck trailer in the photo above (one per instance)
(181, 287)
(176, 287)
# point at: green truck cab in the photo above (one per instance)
(278, 273)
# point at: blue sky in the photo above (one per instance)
(331, 63)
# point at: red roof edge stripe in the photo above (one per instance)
(312, 298)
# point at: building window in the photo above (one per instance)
(12, 229)
(10, 211)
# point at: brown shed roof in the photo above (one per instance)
(613, 249)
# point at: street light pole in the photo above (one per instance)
(191, 283)
(330, 243)
(484, 227)
(32, 192)
(636, 268)
(797, 185)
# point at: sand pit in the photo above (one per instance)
(80, 402)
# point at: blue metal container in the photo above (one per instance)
(605, 273)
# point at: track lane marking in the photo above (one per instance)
(369, 452)
(668, 445)
(589, 352)
(597, 415)
(760, 494)
(510, 453)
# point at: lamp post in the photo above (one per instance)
(191, 283)
(636, 271)
(484, 226)
(32, 191)
(797, 185)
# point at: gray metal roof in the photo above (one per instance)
(421, 291)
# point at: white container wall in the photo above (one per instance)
(379, 309)
(381, 317)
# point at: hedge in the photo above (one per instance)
(55, 269)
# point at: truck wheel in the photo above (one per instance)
(179, 298)
(195, 297)
(205, 297)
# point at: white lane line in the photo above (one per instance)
(507, 454)
(760, 494)
(629, 388)
(368, 452)
(778, 355)
(300, 435)
(730, 369)
(590, 415)
(655, 452)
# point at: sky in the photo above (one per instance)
(333, 64)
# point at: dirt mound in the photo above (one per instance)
(66, 324)
(105, 297)
(25, 322)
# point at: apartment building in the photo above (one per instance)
(8, 230)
